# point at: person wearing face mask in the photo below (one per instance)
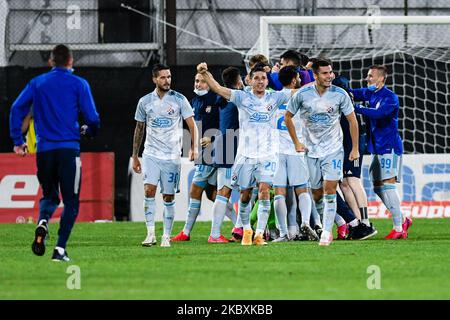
(206, 115)
(384, 143)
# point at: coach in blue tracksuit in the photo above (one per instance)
(384, 143)
(57, 98)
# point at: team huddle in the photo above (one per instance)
(287, 137)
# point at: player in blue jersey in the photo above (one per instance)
(256, 159)
(384, 143)
(225, 148)
(162, 112)
(320, 105)
(57, 98)
(206, 115)
(292, 170)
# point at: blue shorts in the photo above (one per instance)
(166, 172)
(248, 172)
(292, 171)
(327, 168)
(385, 166)
(205, 174)
(353, 168)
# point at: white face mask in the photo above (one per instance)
(200, 92)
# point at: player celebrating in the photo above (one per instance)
(206, 114)
(225, 148)
(161, 112)
(292, 170)
(320, 105)
(384, 143)
(257, 155)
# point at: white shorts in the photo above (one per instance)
(224, 178)
(327, 168)
(205, 174)
(292, 171)
(166, 172)
(248, 172)
(385, 166)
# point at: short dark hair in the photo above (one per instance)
(259, 67)
(258, 58)
(157, 68)
(321, 62)
(291, 55)
(304, 59)
(381, 68)
(61, 55)
(286, 75)
(230, 77)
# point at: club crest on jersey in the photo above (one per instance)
(260, 117)
(170, 111)
(330, 109)
(208, 109)
(269, 107)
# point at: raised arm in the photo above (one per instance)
(202, 68)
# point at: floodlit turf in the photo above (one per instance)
(113, 265)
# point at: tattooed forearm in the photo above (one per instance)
(137, 139)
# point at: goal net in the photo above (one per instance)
(416, 50)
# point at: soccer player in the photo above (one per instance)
(292, 170)
(289, 58)
(351, 185)
(225, 147)
(257, 151)
(320, 105)
(206, 115)
(160, 113)
(384, 143)
(57, 98)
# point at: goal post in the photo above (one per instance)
(369, 21)
(416, 51)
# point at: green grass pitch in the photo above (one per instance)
(113, 265)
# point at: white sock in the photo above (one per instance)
(254, 197)
(219, 209)
(354, 223)
(339, 220)
(314, 214)
(329, 212)
(293, 231)
(244, 214)
(263, 216)
(169, 215)
(392, 203)
(280, 213)
(149, 210)
(305, 205)
(230, 212)
(60, 250)
(193, 210)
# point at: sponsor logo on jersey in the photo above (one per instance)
(260, 117)
(320, 118)
(161, 122)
